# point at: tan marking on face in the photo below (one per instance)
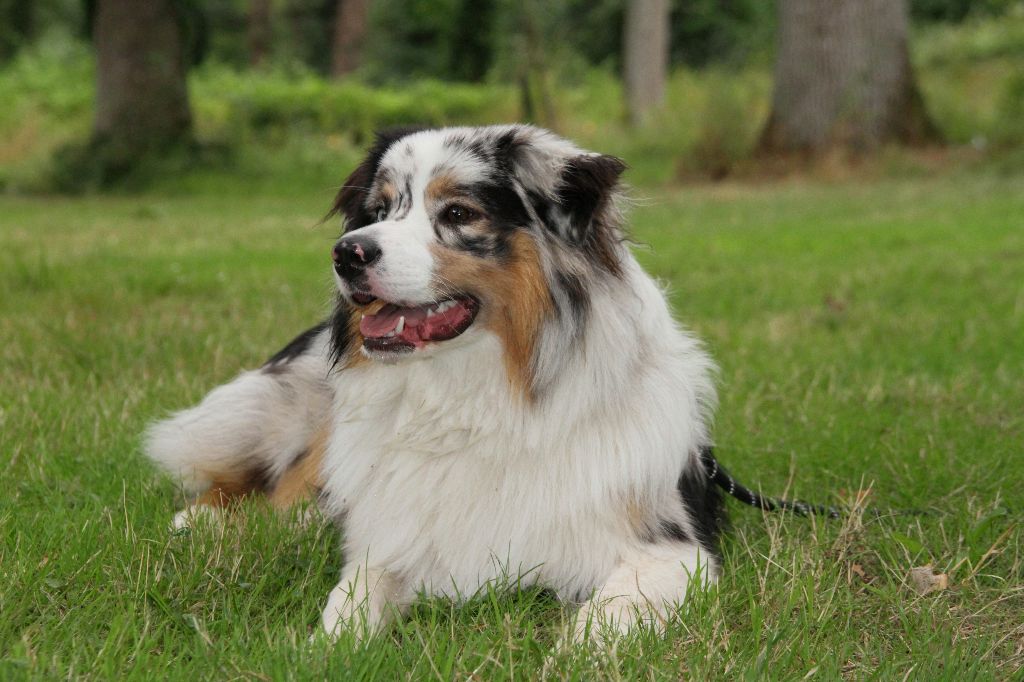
(440, 188)
(514, 297)
(388, 193)
(303, 479)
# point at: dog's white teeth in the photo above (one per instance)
(442, 307)
(389, 334)
(401, 325)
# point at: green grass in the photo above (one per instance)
(871, 335)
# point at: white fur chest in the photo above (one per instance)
(448, 478)
(443, 478)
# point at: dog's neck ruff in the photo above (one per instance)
(446, 438)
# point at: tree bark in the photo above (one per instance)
(141, 96)
(645, 56)
(843, 79)
(350, 24)
(259, 32)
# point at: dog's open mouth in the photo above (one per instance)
(396, 328)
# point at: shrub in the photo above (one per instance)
(1010, 126)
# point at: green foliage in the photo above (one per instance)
(957, 10)
(716, 31)
(303, 33)
(701, 32)
(971, 42)
(22, 22)
(226, 26)
(17, 25)
(243, 105)
(48, 97)
(726, 129)
(455, 39)
(437, 39)
(596, 30)
(1010, 130)
(103, 164)
(967, 74)
(290, 123)
(240, 117)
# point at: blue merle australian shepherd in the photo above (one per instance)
(501, 393)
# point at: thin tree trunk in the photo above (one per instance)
(141, 96)
(259, 32)
(843, 78)
(645, 56)
(350, 24)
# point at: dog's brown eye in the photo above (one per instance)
(459, 215)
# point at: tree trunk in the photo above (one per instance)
(141, 97)
(259, 32)
(350, 23)
(645, 56)
(843, 79)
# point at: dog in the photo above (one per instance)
(500, 394)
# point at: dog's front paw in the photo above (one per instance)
(342, 614)
(359, 605)
(599, 623)
(195, 514)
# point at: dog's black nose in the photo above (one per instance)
(353, 254)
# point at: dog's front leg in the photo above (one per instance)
(644, 590)
(363, 602)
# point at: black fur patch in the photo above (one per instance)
(470, 145)
(579, 299)
(673, 530)
(584, 197)
(350, 200)
(296, 347)
(541, 206)
(490, 246)
(506, 147)
(704, 504)
(502, 204)
(341, 336)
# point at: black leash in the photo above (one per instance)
(718, 474)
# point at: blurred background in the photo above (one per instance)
(189, 94)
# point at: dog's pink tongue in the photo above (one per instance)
(382, 323)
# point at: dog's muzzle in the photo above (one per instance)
(352, 256)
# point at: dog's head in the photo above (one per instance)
(454, 232)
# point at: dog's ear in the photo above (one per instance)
(585, 192)
(351, 198)
(581, 206)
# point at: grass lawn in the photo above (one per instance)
(870, 335)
